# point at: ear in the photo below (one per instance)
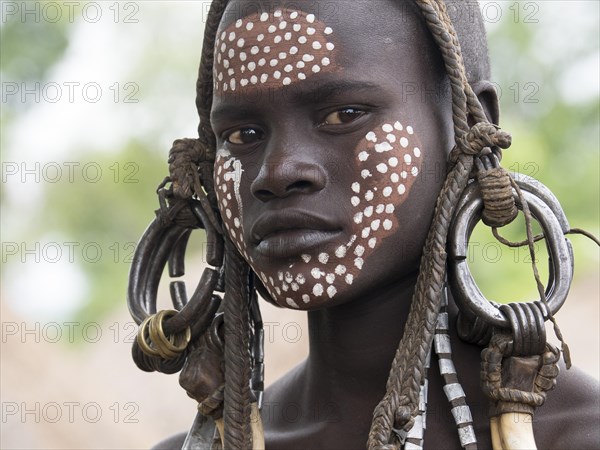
(488, 97)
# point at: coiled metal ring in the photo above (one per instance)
(547, 210)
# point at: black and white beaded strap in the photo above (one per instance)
(452, 388)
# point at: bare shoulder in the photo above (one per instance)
(570, 416)
(174, 442)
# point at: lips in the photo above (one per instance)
(281, 234)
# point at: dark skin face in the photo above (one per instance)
(329, 162)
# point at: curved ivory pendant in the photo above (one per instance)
(256, 426)
(220, 428)
(258, 433)
(512, 431)
(495, 431)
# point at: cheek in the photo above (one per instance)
(388, 160)
(228, 177)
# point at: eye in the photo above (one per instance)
(245, 136)
(343, 116)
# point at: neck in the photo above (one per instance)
(355, 343)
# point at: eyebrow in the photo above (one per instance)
(320, 93)
(329, 90)
(336, 87)
(232, 111)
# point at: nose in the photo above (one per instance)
(289, 170)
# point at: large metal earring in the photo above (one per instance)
(519, 366)
(165, 242)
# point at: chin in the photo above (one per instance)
(314, 282)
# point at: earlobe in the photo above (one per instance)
(488, 97)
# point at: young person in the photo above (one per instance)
(325, 137)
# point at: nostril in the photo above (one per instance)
(300, 185)
(264, 195)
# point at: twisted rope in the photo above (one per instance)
(507, 399)
(204, 85)
(190, 173)
(237, 409)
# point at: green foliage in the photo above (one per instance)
(30, 48)
(109, 215)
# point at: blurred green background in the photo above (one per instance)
(94, 93)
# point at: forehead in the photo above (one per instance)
(281, 46)
(353, 12)
(262, 47)
(371, 30)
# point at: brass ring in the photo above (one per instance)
(152, 339)
(184, 337)
(141, 338)
(161, 345)
(157, 341)
(164, 345)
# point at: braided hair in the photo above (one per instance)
(191, 175)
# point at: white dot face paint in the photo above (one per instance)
(228, 178)
(279, 34)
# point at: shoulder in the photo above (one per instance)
(171, 443)
(570, 416)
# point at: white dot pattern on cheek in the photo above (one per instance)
(238, 50)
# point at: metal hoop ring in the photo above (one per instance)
(547, 210)
(174, 343)
(165, 244)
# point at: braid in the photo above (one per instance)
(237, 356)
(204, 85)
(236, 412)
